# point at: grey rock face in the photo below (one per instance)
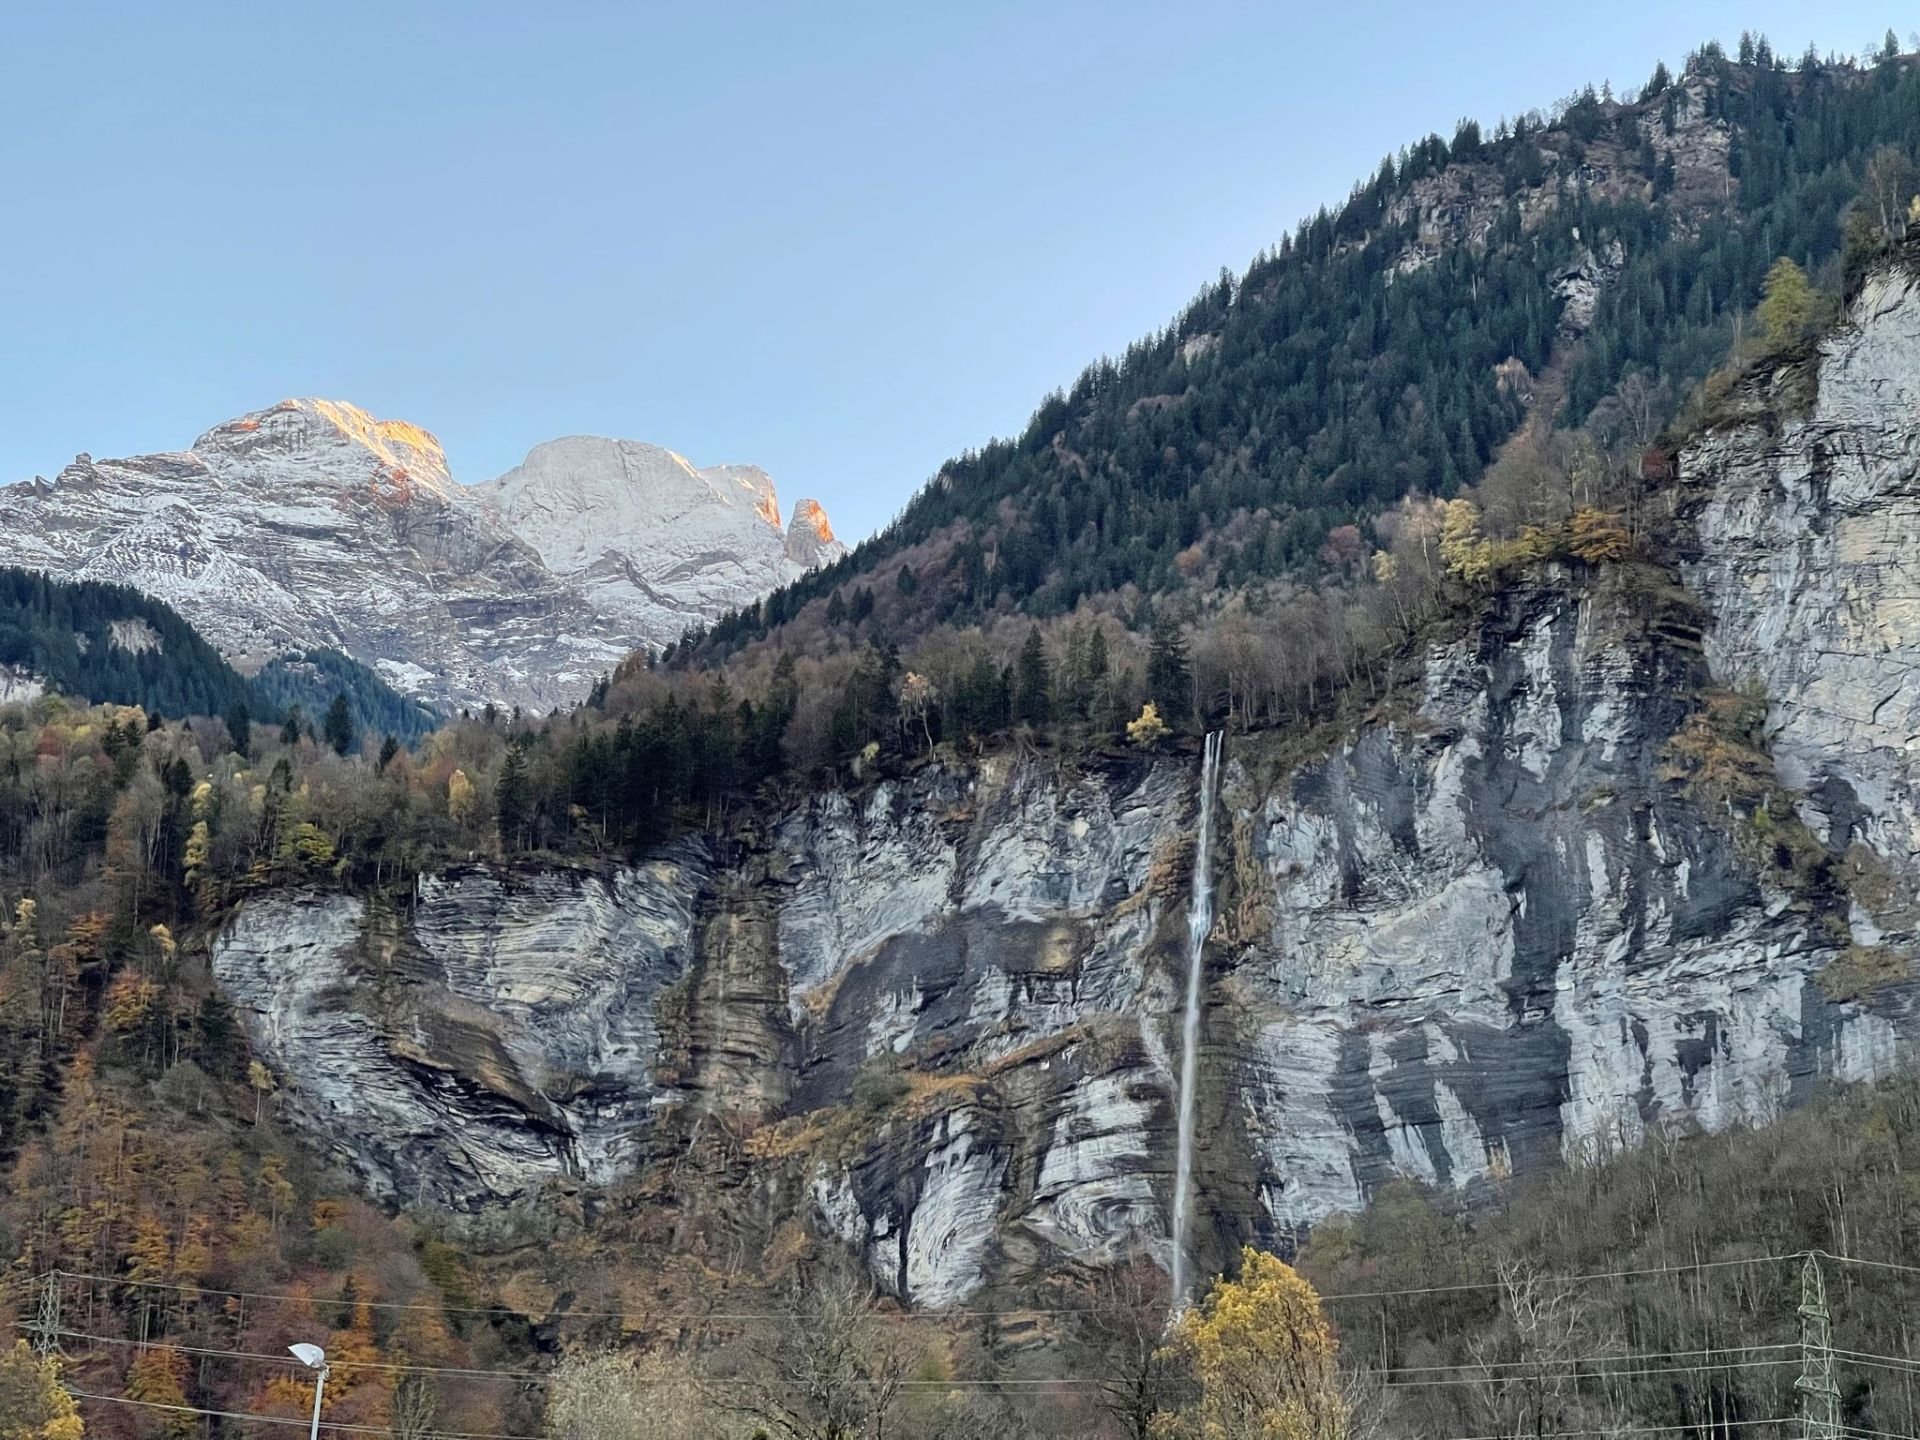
(1499, 931)
(501, 1039)
(19, 685)
(655, 544)
(1810, 561)
(1502, 934)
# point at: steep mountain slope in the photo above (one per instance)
(312, 525)
(654, 544)
(1560, 899)
(111, 644)
(1594, 263)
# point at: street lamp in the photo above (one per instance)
(314, 1358)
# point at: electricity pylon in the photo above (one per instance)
(1819, 1396)
(46, 1324)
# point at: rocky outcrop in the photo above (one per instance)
(1679, 130)
(1807, 556)
(810, 538)
(1466, 943)
(314, 525)
(1505, 925)
(19, 685)
(496, 1034)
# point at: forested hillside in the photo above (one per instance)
(311, 681)
(111, 643)
(1585, 268)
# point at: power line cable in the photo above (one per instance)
(1577, 1374)
(1577, 1368)
(784, 1317)
(1612, 1430)
(1076, 1382)
(1870, 1264)
(1592, 1359)
(686, 1315)
(1466, 1285)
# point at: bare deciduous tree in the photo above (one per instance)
(416, 1409)
(1529, 1382)
(836, 1373)
(1126, 1335)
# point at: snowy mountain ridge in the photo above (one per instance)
(645, 534)
(314, 524)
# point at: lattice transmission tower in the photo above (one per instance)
(1819, 1396)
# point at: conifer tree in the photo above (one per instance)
(1169, 679)
(338, 726)
(1033, 684)
(240, 727)
(1787, 303)
(513, 797)
(1099, 697)
(34, 1405)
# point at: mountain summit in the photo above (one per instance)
(315, 524)
(650, 538)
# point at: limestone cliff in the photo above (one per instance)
(1508, 922)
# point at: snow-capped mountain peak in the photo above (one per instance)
(313, 523)
(303, 441)
(648, 535)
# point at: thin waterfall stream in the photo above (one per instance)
(1199, 924)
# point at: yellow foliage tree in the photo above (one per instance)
(355, 1358)
(307, 848)
(260, 1079)
(460, 797)
(1262, 1357)
(34, 1405)
(1462, 549)
(1597, 537)
(199, 849)
(129, 1001)
(1786, 302)
(1148, 727)
(156, 1378)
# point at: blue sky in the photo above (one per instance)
(843, 242)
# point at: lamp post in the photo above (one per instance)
(314, 1358)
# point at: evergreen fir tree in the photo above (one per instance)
(1169, 680)
(240, 727)
(338, 725)
(513, 797)
(1033, 685)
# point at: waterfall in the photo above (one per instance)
(1199, 923)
